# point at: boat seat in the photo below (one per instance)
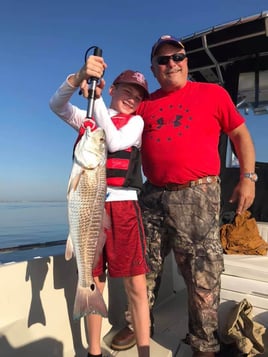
(245, 277)
(249, 266)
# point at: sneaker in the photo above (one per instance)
(123, 340)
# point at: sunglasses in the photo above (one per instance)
(177, 57)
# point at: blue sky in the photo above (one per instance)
(43, 41)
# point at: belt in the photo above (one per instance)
(177, 187)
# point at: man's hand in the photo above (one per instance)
(243, 194)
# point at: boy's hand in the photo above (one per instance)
(94, 67)
(85, 89)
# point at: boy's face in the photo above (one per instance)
(126, 97)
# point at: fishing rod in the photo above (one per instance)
(93, 81)
(92, 84)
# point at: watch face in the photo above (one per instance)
(252, 176)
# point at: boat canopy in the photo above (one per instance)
(234, 55)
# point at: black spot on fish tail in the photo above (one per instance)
(89, 300)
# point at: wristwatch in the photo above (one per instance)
(250, 175)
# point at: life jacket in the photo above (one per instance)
(124, 166)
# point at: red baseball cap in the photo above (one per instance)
(133, 77)
(163, 40)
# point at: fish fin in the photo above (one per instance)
(73, 182)
(106, 220)
(89, 301)
(99, 247)
(69, 250)
(106, 224)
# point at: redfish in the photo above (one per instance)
(86, 199)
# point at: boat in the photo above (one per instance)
(38, 285)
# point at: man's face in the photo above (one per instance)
(171, 73)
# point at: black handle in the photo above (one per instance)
(92, 85)
(98, 52)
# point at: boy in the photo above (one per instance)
(124, 250)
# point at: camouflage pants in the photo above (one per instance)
(187, 221)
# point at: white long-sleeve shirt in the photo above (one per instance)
(117, 139)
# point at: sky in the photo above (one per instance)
(44, 41)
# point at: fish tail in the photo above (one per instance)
(89, 301)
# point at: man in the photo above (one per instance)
(180, 200)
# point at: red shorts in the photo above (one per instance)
(124, 253)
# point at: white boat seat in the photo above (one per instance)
(249, 266)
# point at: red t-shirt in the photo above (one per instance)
(181, 132)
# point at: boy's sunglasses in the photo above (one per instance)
(177, 57)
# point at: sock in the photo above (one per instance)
(90, 355)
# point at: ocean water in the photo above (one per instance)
(30, 223)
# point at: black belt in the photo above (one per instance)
(177, 187)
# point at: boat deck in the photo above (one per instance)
(170, 329)
(36, 312)
(171, 320)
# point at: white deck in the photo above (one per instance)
(170, 328)
(171, 312)
(170, 318)
(36, 304)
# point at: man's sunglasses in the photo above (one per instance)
(177, 57)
